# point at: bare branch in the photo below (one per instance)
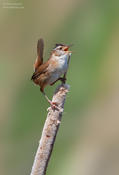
(49, 132)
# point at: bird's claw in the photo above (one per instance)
(63, 80)
(54, 105)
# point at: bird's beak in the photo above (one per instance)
(66, 49)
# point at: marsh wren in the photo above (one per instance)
(50, 72)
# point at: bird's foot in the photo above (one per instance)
(53, 105)
(63, 79)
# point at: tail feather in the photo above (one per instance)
(39, 59)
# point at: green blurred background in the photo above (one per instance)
(88, 140)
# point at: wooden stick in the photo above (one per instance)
(49, 132)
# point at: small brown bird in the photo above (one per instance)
(50, 72)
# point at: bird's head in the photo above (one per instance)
(61, 49)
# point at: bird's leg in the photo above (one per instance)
(62, 79)
(52, 104)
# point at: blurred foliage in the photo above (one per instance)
(92, 27)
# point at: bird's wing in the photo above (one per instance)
(40, 70)
(39, 59)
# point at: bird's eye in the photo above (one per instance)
(60, 48)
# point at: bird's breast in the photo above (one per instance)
(62, 63)
(57, 67)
